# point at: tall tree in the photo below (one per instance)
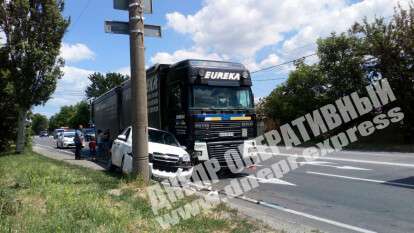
(390, 47)
(8, 116)
(349, 61)
(62, 118)
(34, 30)
(39, 123)
(102, 83)
(81, 116)
(341, 63)
(71, 116)
(286, 102)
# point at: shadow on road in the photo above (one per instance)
(403, 183)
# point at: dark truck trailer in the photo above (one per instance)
(207, 105)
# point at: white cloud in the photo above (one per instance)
(76, 52)
(124, 70)
(71, 88)
(179, 55)
(243, 28)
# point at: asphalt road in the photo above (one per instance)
(342, 192)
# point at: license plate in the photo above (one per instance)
(244, 133)
(226, 134)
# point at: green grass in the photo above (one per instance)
(42, 195)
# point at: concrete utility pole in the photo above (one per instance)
(139, 91)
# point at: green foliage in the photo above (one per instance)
(39, 123)
(347, 63)
(286, 102)
(340, 62)
(61, 119)
(102, 83)
(390, 47)
(30, 65)
(8, 108)
(82, 115)
(71, 116)
(34, 31)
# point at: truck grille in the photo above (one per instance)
(216, 130)
(218, 151)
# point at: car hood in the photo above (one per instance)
(165, 149)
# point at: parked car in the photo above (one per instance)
(57, 132)
(65, 139)
(167, 158)
(44, 134)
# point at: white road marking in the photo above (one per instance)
(316, 163)
(363, 179)
(332, 222)
(383, 154)
(329, 164)
(271, 181)
(369, 162)
(347, 160)
(351, 168)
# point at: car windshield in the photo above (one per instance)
(69, 134)
(222, 97)
(161, 137)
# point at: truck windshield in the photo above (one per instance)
(222, 97)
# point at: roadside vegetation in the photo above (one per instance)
(42, 195)
(347, 62)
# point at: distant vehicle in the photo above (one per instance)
(89, 133)
(65, 139)
(167, 158)
(57, 132)
(44, 134)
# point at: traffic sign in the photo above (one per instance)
(118, 27)
(124, 5)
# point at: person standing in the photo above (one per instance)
(92, 148)
(107, 143)
(78, 142)
(99, 142)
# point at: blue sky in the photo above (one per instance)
(258, 33)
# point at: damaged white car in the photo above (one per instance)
(167, 158)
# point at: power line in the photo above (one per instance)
(297, 59)
(282, 64)
(270, 79)
(81, 13)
